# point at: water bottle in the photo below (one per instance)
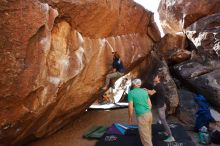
(204, 137)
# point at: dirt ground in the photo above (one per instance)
(71, 135)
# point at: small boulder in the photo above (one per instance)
(187, 107)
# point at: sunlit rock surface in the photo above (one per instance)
(173, 48)
(205, 34)
(153, 30)
(109, 18)
(54, 57)
(176, 15)
(198, 19)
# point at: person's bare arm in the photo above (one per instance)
(150, 92)
(130, 112)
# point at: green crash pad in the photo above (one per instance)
(95, 132)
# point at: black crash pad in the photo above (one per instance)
(181, 136)
(179, 133)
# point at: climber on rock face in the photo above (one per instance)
(118, 70)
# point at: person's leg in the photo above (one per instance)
(162, 116)
(144, 126)
(150, 117)
(111, 76)
(108, 78)
(119, 74)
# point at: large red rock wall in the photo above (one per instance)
(54, 57)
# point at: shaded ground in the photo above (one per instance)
(71, 135)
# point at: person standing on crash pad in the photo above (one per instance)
(161, 106)
(139, 100)
(118, 70)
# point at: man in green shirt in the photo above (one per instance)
(139, 101)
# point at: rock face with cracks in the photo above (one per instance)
(150, 67)
(203, 79)
(171, 94)
(187, 107)
(173, 48)
(176, 15)
(54, 56)
(205, 34)
(198, 19)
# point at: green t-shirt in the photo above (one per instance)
(139, 97)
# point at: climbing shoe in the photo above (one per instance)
(163, 133)
(169, 139)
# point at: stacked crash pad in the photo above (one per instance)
(129, 136)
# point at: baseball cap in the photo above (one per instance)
(136, 82)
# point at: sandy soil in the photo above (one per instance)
(71, 135)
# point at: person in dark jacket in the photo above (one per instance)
(161, 106)
(118, 70)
